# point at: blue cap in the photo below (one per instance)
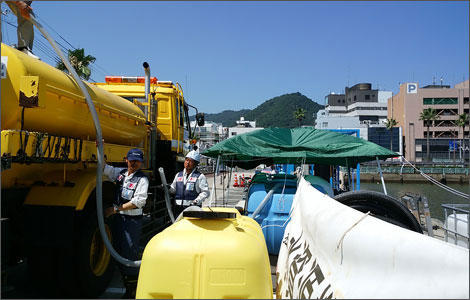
(135, 154)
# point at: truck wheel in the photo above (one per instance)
(93, 263)
(81, 270)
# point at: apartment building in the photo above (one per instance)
(446, 143)
(209, 134)
(360, 100)
(360, 109)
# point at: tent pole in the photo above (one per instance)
(381, 176)
(331, 176)
(349, 176)
(358, 177)
(215, 182)
(229, 181)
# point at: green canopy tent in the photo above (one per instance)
(294, 146)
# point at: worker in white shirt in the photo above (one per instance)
(131, 195)
(189, 186)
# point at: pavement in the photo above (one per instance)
(223, 193)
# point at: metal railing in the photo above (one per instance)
(459, 215)
(419, 207)
(410, 170)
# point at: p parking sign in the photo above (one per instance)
(411, 88)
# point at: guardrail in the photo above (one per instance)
(457, 224)
(410, 170)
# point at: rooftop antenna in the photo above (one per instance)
(433, 80)
(441, 81)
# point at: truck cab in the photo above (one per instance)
(167, 109)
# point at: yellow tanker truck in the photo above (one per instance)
(48, 162)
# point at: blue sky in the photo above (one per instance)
(235, 55)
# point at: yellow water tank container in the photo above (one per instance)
(216, 254)
(38, 97)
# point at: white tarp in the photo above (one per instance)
(330, 250)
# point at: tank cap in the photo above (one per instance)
(209, 214)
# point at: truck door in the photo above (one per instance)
(187, 129)
(183, 134)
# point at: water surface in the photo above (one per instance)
(435, 195)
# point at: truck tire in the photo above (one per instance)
(93, 264)
(81, 270)
(382, 207)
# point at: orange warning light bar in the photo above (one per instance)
(129, 79)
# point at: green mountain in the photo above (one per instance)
(276, 112)
(279, 111)
(228, 117)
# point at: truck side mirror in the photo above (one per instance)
(200, 119)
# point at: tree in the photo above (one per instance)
(389, 124)
(428, 115)
(299, 114)
(79, 62)
(462, 122)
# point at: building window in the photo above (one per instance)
(465, 100)
(439, 101)
(367, 97)
(349, 99)
(234, 133)
(373, 96)
(339, 101)
(343, 100)
(425, 125)
(354, 97)
(324, 124)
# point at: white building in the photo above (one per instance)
(243, 126)
(361, 111)
(359, 101)
(208, 135)
(328, 122)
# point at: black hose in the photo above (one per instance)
(382, 207)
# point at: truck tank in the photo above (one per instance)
(38, 97)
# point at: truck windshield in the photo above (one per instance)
(186, 119)
(182, 114)
(131, 99)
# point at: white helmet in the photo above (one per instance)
(194, 155)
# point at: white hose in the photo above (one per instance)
(265, 200)
(99, 140)
(442, 186)
(167, 195)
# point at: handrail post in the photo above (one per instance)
(381, 176)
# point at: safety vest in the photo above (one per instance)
(125, 193)
(185, 194)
